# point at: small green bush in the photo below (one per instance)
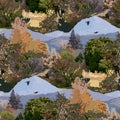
(5, 115)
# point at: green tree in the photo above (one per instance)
(44, 5)
(96, 54)
(115, 18)
(49, 24)
(33, 5)
(9, 10)
(66, 13)
(13, 64)
(111, 55)
(3, 55)
(79, 58)
(19, 117)
(4, 86)
(37, 109)
(109, 84)
(77, 10)
(59, 109)
(64, 72)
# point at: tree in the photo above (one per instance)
(65, 13)
(65, 110)
(44, 5)
(3, 55)
(20, 35)
(77, 10)
(9, 10)
(33, 5)
(116, 58)
(12, 63)
(44, 108)
(4, 86)
(115, 19)
(74, 41)
(109, 84)
(37, 109)
(79, 58)
(15, 100)
(64, 72)
(98, 54)
(49, 24)
(19, 117)
(82, 96)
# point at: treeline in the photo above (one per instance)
(61, 14)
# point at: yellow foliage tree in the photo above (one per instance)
(82, 96)
(20, 35)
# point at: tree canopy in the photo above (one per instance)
(96, 54)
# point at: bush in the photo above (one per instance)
(5, 115)
(98, 54)
(37, 109)
(64, 72)
(108, 85)
(6, 87)
(65, 54)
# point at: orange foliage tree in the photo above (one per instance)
(20, 35)
(82, 96)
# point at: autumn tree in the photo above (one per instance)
(20, 35)
(81, 95)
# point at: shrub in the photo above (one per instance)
(5, 115)
(98, 54)
(64, 72)
(108, 85)
(65, 54)
(37, 109)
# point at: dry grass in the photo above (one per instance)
(95, 78)
(35, 18)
